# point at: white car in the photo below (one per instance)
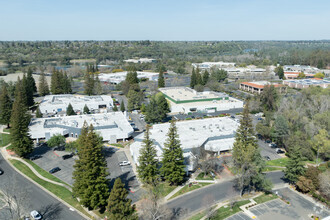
(124, 163)
(36, 215)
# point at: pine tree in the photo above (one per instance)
(122, 106)
(295, 167)
(89, 84)
(86, 110)
(69, 110)
(162, 106)
(97, 86)
(43, 85)
(119, 206)
(161, 80)
(20, 139)
(66, 84)
(23, 85)
(5, 107)
(29, 85)
(30, 80)
(115, 108)
(172, 163)
(199, 80)
(147, 169)
(90, 183)
(206, 77)
(193, 79)
(38, 113)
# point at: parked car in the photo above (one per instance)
(279, 151)
(268, 141)
(59, 148)
(232, 116)
(36, 215)
(1, 171)
(267, 157)
(259, 119)
(273, 145)
(67, 156)
(54, 170)
(124, 163)
(34, 157)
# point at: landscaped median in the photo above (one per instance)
(60, 191)
(189, 187)
(233, 208)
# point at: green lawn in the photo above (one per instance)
(264, 198)
(281, 162)
(118, 145)
(268, 169)
(198, 216)
(186, 189)
(225, 212)
(59, 191)
(44, 173)
(6, 130)
(165, 188)
(5, 139)
(202, 176)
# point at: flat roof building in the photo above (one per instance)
(213, 134)
(258, 86)
(209, 65)
(116, 78)
(111, 126)
(59, 103)
(141, 60)
(305, 83)
(186, 100)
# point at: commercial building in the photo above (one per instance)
(258, 86)
(300, 68)
(213, 134)
(209, 65)
(116, 78)
(184, 100)
(58, 103)
(141, 60)
(112, 126)
(305, 83)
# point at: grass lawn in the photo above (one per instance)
(264, 198)
(281, 162)
(5, 139)
(198, 216)
(225, 212)
(6, 130)
(59, 191)
(44, 173)
(165, 188)
(268, 169)
(186, 189)
(202, 176)
(117, 145)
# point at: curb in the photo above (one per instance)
(44, 189)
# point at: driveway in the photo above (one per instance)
(299, 208)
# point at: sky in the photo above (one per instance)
(183, 20)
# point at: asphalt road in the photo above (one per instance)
(36, 198)
(206, 197)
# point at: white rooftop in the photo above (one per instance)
(118, 77)
(108, 124)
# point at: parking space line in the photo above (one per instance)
(56, 154)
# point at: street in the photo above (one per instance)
(37, 199)
(207, 196)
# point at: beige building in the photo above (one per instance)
(258, 86)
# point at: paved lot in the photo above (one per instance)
(299, 208)
(51, 159)
(239, 216)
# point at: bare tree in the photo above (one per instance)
(153, 208)
(14, 198)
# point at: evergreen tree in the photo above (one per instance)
(66, 84)
(280, 72)
(43, 85)
(152, 111)
(134, 99)
(119, 206)
(161, 80)
(295, 166)
(147, 169)
(90, 183)
(29, 85)
(248, 162)
(131, 78)
(89, 84)
(206, 77)
(115, 109)
(162, 106)
(30, 80)
(199, 80)
(20, 139)
(172, 163)
(122, 106)
(97, 86)
(38, 113)
(86, 110)
(26, 97)
(69, 110)
(193, 79)
(5, 107)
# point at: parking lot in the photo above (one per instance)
(51, 159)
(239, 216)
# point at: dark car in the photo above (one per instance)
(279, 151)
(54, 170)
(267, 157)
(67, 156)
(59, 148)
(34, 157)
(268, 141)
(232, 116)
(259, 119)
(1, 171)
